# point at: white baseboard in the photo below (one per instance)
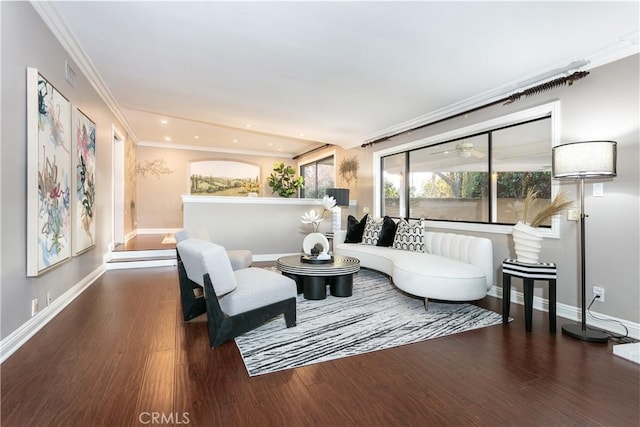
(566, 311)
(17, 338)
(126, 265)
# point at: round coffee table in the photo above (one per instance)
(312, 279)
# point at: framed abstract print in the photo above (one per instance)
(48, 175)
(83, 184)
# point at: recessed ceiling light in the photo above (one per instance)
(196, 137)
(235, 140)
(248, 125)
(167, 138)
(164, 121)
(271, 144)
(302, 134)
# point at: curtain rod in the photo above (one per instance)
(552, 84)
(297, 156)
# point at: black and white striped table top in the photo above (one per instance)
(341, 265)
(541, 270)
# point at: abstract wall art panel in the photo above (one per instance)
(84, 171)
(48, 175)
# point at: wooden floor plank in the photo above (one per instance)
(121, 349)
(156, 394)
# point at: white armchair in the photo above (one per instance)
(236, 301)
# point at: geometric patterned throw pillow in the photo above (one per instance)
(410, 237)
(372, 231)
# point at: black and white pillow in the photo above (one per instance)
(410, 237)
(372, 230)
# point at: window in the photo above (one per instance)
(521, 160)
(449, 181)
(393, 195)
(473, 176)
(318, 176)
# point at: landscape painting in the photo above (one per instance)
(84, 166)
(223, 178)
(48, 175)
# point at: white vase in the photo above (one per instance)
(312, 239)
(528, 243)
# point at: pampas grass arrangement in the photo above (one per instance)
(557, 205)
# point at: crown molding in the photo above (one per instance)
(61, 31)
(187, 147)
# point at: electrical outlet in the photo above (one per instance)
(598, 291)
(34, 306)
(365, 209)
(48, 299)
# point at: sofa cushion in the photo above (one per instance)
(387, 232)
(355, 229)
(446, 278)
(376, 257)
(410, 237)
(256, 288)
(372, 230)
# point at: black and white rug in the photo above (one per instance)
(376, 317)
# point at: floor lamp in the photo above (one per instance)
(584, 160)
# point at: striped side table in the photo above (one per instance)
(529, 273)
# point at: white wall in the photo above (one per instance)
(27, 42)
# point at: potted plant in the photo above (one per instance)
(282, 180)
(526, 236)
(348, 169)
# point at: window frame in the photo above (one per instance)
(315, 160)
(551, 109)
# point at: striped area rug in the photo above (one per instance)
(376, 317)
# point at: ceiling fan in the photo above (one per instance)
(464, 150)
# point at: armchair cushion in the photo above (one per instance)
(201, 257)
(256, 287)
(240, 258)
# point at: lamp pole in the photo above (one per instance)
(582, 332)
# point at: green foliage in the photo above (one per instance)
(474, 185)
(457, 184)
(390, 190)
(282, 180)
(514, 185)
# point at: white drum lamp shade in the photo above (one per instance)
(584, 159)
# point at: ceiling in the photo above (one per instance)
(281, 78)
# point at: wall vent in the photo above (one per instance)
(70, 74)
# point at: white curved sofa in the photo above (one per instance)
(455, 267)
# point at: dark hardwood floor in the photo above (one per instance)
(120, 355)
